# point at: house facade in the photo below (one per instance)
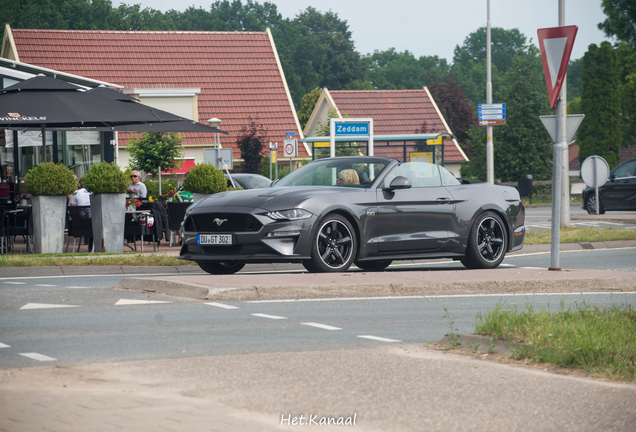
(232, 76)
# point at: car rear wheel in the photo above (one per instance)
(333, 247)
(590, 205)
(486, 247)
(373, 265)
(220, 267)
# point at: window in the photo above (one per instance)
(421, 174)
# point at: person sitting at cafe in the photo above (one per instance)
(142, 192)
(82, 197)
(348, 177)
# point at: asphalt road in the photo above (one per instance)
(92, 322)
(538, 219)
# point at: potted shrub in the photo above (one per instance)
(49, 185)
(204, 180)
(108, 185)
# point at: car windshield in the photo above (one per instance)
(252, 182)
(342, 172)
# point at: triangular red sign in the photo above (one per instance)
(556, 46)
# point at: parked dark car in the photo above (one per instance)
(249, 181)
(618, 193)
(369, 211)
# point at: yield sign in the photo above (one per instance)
(556, 46)
(572, 124)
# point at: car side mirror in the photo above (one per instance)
(399, 182)
(274, 183)
(613, 178)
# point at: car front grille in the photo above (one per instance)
(222, 222)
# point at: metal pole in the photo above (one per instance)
(565, 173)
(276, 149)
(490, 152)
(158, 198)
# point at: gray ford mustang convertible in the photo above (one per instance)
(369, 211)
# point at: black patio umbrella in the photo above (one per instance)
(43, 102)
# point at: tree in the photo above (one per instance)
(522, 146)
(456, 108)
(307, 106)
(342, 63)
(153, 150)
(575, 70)
(392, 70)
(469, 61)
(620, 21)
(600, 132)
(251, 143)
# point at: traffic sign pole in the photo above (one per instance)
(490, 152)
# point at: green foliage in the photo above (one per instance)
(600, 132)
(50, 179)
(574, 106)
(392, 70)
(307, 106)
(627, 75)
(205, 179)
(621, 20)
(595, 339)
(152, 186)
(251, 142)
(575, 70)
(522, 146)
(359, 85)
(105, 178)
(153, 150)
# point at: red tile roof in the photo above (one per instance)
(395, 112)
(236, 71)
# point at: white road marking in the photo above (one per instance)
(268, 316)
(125, 302)
(44, 285)
(4, 345)
(534, 268)
(527, 294)
(38, 357)
(321, 326)
(16, 283)
(221, 305)
(377, 338)
(77, 287)
(45, 306)
(507, 265)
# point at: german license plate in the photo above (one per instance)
(214, 239)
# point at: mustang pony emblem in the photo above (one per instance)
(219, 222)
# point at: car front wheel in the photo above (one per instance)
(486, 246)
(333, 247)
(590, 205)
(220, 267)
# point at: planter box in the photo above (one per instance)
(108, 221)
(49, 217)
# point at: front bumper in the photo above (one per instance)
(275, 241)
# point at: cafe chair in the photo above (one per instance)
(176, 214)
(21, 224)
(80, 224)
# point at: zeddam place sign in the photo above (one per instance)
(344, 129)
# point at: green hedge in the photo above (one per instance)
(104, 178)
(205, 179)
(51, 179)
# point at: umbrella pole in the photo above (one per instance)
(43, 128)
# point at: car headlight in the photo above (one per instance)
(293, 214)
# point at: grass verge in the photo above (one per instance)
(579, 234)
(595, 340)
(100, 260)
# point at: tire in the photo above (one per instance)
(590, 205)
(487, 242)
(333, 248)
(373, 265)
(220, 267)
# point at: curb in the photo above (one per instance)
(205, 292)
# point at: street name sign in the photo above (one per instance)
(556, 44)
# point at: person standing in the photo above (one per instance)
(142, 192)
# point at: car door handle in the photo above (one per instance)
(443, 200)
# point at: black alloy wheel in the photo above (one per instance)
(590, 205)
(334, 245)
(214, 267)
(486, 247)
(373, 265)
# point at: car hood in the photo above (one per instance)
(282, 198)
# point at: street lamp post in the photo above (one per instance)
(215, 123)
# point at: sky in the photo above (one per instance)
(428, 27)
